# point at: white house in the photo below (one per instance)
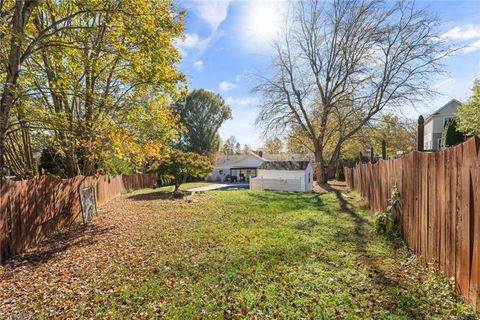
(243, 167)
(284, 175)
(433, 126)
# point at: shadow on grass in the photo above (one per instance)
(290, 200)
(157, 195)
(401, 298)
(78, 235)
(404, 301)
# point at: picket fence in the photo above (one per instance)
(32, 210)
(439, 207)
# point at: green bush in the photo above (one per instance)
(339, 175)
(383, 222)
(163, 181)
(115, 166)
(52, 163)
(450, 135)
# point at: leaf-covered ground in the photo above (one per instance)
(227, 255)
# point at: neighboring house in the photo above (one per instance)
(433, 126)
(242, 166)
(245, 166)
(284, 175)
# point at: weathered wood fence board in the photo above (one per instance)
(439, 207)
(32, 210)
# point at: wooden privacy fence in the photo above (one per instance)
(31, 210)
(439, 207)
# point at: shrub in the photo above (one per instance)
(450, 135)
(52, 164)
(385, 221)
(178, 166)
(339, 175)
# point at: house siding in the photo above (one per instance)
(434, 124)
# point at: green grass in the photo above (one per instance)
(227, 255)
(275, 255)
(186, 186)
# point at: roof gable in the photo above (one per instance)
(286, 157)
(454, 103)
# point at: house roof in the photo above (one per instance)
(439, 110)
(286, 157)
(284, 165)
(231, 161)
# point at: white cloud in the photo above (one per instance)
(241, 102)
(474, 46)
(193, 41)
(214, 12)
(466, 33)
(225, 85)
(198, 65)
(239, 77)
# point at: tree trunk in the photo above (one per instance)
(71, 160)
(177, 186)
(320, 174)
(22, 12)
(3, 137)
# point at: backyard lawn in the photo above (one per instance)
(227, 254)
(187, 186)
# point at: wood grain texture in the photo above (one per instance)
(439, 208)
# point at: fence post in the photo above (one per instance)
(384, 150)
(421, 132)
(371, 154)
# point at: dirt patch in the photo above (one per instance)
(331, 186)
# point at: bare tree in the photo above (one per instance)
(337, 64)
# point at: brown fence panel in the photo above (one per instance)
(3, 218)
(439, 209)
(32, 210)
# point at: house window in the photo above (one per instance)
(309, 177)
(220, 171)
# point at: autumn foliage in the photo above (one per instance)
(96, 81)
(179, 165)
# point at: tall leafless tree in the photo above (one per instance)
(337, 64)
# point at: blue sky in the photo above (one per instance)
(227, 41)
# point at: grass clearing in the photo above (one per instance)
(232, 255)
(186, 186)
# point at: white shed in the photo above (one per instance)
(284, 175)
